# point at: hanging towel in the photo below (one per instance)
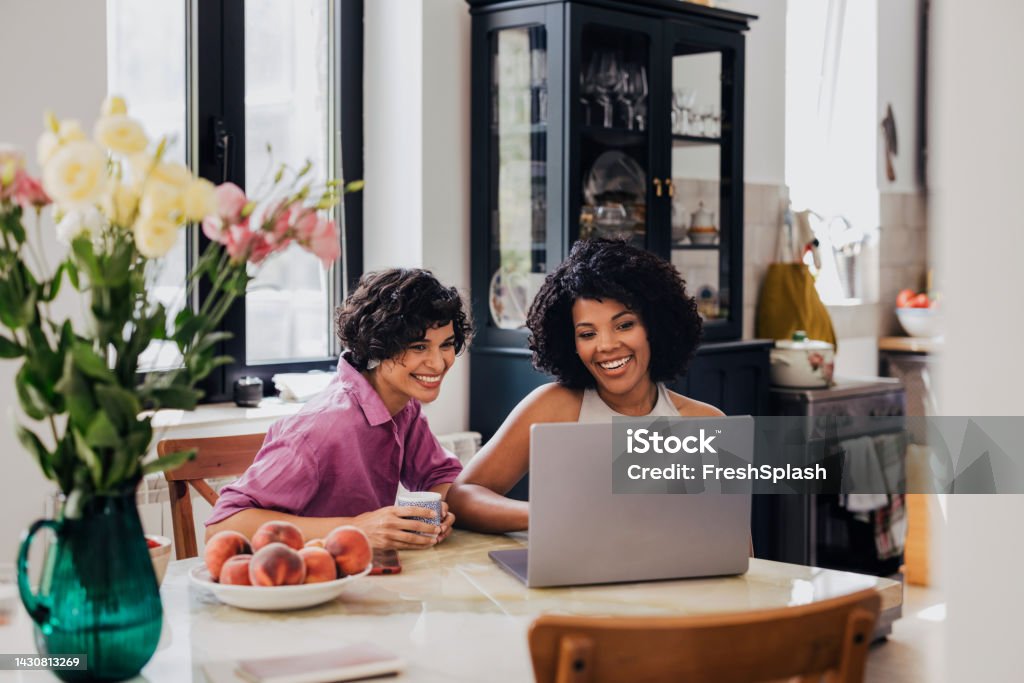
(789, 302)
(863, 480)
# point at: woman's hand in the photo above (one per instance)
(389, 527)
(447, 520)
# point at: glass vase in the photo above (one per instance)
(97, 595)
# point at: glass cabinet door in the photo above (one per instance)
(613, 114)
(706, 226)
(519, 256)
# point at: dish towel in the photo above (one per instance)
(862, 473)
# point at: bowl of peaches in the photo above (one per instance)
(919, 314)
(279, 570)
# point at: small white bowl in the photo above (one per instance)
(920, 322)
(703, 237)
(160, 555)
(274, 598)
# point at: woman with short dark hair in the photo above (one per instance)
(340, 459)
(612, 324)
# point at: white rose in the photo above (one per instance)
(70, 131)
(47, 145)
(200, 199)
(76, 174)
(155, 235)
(120, 134)
(119, 203)
(161, 199)
(172, 173)
(77, 222)
(114, 105)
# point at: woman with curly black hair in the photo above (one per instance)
(612, 324)
(340, 459)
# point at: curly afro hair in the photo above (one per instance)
(392, 308)
(612, 269)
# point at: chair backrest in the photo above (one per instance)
(217, 456)
(830, 638)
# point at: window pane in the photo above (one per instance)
(146, 41)
(286, 107)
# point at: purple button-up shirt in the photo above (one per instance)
(342, 455)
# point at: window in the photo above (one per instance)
(242, 88)
(831, 139)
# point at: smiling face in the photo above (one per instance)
(611, 341)
(418, 371)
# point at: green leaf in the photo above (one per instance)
(168, 462)
(90, 363)
(10, 349)
(208, 340)
(89, 457)
(102, 433)
(121, 405)
(72, 270)
(355, 186)
(82, 249)
(30, 395)
(33, 445)
(182, 398)
(186, 324)
(77, 393)
(51, 288)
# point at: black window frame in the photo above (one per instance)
(217, 115)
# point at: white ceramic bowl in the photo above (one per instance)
(701, 237)
(920, 322)
(160, 555)
(274, 598)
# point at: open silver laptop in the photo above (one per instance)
(582, 533)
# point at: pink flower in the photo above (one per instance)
(237, 241)
(325, 242)
(260, 248)
(305, 226)
(213, 228)
(28, 191)
(231, 200)
(279, 231)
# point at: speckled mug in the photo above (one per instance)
(422, 499)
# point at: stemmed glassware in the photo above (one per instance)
(633, 94)
(683, 119)
(605, 73)
(609, 82)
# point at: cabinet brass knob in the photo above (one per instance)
(657, 187)
(671, 187)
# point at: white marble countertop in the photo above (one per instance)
(451, 613)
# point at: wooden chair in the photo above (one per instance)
(828, 638)
(218, 456)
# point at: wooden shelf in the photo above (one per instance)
(693, 140)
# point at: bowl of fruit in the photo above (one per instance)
(279, 570)
(919, 314)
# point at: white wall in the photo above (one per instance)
(897, 85)
(417, 156)
(60, 65)
(764, 157)
(977, 142)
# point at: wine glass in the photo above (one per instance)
(634, 93)
(606, 81)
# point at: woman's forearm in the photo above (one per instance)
(248, 521)
(479, 508)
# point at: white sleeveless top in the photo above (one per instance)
(593, 409)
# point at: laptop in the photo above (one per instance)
(581, 533)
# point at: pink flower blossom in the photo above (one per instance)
(213, 228)
(325, 242)
(28, 191)
(231, 200)
(305, 226)
(280, 231)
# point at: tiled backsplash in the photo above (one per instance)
(903, 258)
(763, 206)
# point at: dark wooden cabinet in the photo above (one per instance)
(606, 117)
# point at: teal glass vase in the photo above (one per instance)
(97, 594)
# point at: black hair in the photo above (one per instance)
(612, 269)
(392, 308)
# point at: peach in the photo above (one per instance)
(320, 565)
(351, 549)
(278, 532)
(235, 571)
(222, 546)
(315, 543)
(276, 565)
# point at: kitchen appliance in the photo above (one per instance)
(802, 363)
(815, 529)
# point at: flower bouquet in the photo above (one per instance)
(120, 206)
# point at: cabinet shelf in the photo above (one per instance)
(686, 246)
(615, 137)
